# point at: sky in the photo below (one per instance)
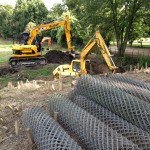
(48, 3)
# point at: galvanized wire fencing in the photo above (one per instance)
(46, 132)
(136, 91)
(126, 129)
(129, 80)
(124, 105)
(92, 133)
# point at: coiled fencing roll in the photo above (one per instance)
(136, 91)
(92, 133)
(129, 80)
(126, 129)
(124, 105)
(46, 132)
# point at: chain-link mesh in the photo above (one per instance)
(136, 91)
(129, 80)
(91, 132)
(46, 132)
(125, 105)
(126, 129)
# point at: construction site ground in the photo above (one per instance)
(15, 99)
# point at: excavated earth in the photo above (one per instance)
(7, 70)
(56, 56)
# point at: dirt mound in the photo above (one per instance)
(56, 56)
(7, 70)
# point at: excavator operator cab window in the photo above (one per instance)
(76, 67)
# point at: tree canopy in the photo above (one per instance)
(119, 20)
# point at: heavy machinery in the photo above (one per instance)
(78, 66)
(29, 53)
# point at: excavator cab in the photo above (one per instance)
(24, 36)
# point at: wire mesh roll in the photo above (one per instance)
(124, 105)
(46, 132)
(136, 91)
(126, 129)
(129, 80)
(91, 132)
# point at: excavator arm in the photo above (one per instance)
(51, 25)
(78, 66)
(99, 41)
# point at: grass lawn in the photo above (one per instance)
(37, 73)
(4, 56)
(145, 43)
(5, 43)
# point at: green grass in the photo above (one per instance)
(5, 43)
(43, 73)
(5, 79)
(4, 56)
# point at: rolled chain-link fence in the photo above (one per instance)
(123, 104)
(126, 129)
(46, 132)
(92, 133)
(136, 91)
(129, 80)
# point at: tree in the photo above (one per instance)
(117, 17)
(5, 23)
(30, 26)
(92, 16)
(27, 11)
(124, 14)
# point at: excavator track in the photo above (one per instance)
(27, 62)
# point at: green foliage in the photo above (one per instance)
(112, 17)
(121, 20)
(30, 74)
(127, 60)
(27, 11)
(29, 27)
(143, 60)
(92, 16)
(5, 23)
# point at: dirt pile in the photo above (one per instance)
(7, 70)
(59, 57)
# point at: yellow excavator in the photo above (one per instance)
(78, 66)
(29, 53)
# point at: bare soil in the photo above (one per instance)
(13, 101)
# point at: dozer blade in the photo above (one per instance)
(27, 62)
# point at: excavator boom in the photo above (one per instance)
(99, 41)
(50, 25)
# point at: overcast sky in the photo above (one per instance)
(48, 3)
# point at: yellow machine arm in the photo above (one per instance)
(51, 25)
(99, 41)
